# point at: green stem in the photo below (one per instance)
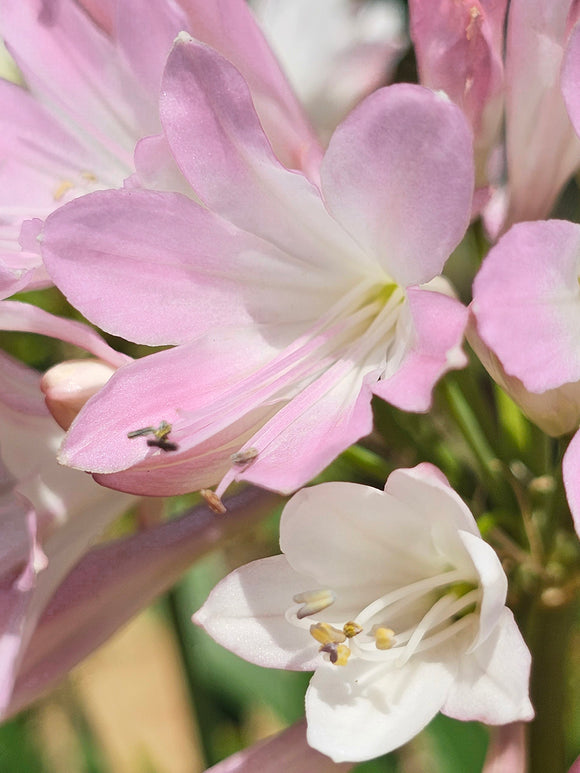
(549, 642)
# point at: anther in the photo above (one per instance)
(314, 601)
(351, 629)
(213, 501)
(338, 653)
(324, 633)
(62, 189)
(384, 638)
(245, 456)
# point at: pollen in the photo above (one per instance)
(313, 601)
(351, 629)
(63, 187)
(384, 638)
(324, 633)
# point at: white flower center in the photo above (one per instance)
(450, 599)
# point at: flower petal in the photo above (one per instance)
(385, 178)
(528, 285)
(493, 680)
(245, 613)
(571, 78)
(571, 474)
(436, 324)
(362, 710)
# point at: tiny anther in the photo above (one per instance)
(89, 177)
(141, 432)
(338, 653)
(213, 501)
(62, 189)
(351, 629)
(161, 443)
(324, 633)
(384, 638)
(313, 601)
(245, 456)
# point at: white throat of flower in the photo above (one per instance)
(369, 636)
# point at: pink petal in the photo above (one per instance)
(229, 27)
(386, 178)
(25, 317)
(528, 285)
(507, 749)
(145, 278)
(128, 575)
(363, 710)
(437, 323)
(207, 104)
(542, 148)
(571, 78)
(459, 48)
(493, 681)
(287, 751)
(571, 474)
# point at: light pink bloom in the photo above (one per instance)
(394, 600)
(334, 52)
(527, 307)
(460, 49)
(291, 306)
(92, 96)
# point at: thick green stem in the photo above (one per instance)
(549, 643)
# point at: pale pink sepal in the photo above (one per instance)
(27, 318)
(287, 751)
(525, 300)
(438, 324)
(507, 749)
(112, 582)
(459, 48)
(571, 474)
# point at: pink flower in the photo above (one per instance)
(526, 304)
(394, 600)
(291, 305)
(460, 49)
(92, 96)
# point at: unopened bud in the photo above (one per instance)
(68, 385)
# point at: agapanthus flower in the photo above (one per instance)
(512, 93)
(92, 94)
(334, 52)
(291, 305)
(394, 600)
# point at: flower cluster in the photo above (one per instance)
(280, 229)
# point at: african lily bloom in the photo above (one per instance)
(334, 52)
(290, 306)
(394, 600)
(528, 285)
(92, 96)
(50, 515)
(460, 49)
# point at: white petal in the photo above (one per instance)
(361, 710)
(245, 613)
(492, 685)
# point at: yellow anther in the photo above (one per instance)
(342, 655)
(351, 629)
(384, 638)
(314, 601)
(324, 633)
(63, 187)
(89, 177)
(214, 503)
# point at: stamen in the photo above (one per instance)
(214, 502)
(314, 601)
(63, 187)
(338, 653)
(243, 457)
(351, 629)
(384, 638)
(324, 633)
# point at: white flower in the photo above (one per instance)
(394, 600)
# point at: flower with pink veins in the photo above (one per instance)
(334, 52)
(92, 95)
(460, 48)
(395, 602)
(526, 305)
(290, 307)
(49, 515)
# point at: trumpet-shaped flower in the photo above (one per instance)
(517, 87)
(92, 95)
(394, 600)
(291, 306)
